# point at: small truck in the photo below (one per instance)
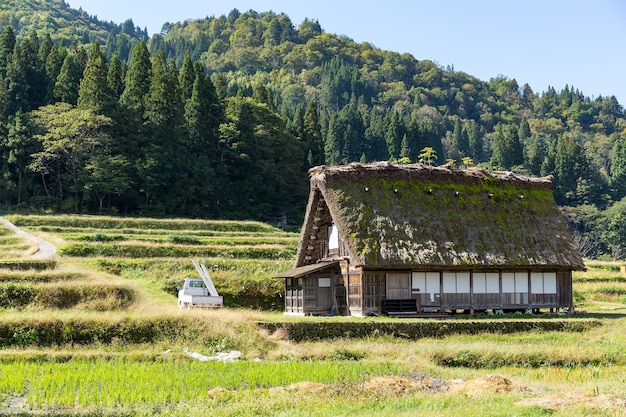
(199, 292)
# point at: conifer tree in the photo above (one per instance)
(7, 45)
(313, 134)
(507, 150)
(187, 77)
(163, 166)
(393, 135)
(68, 81)
(115, 76)
(460, 141)
(138, 78)
(94, 93)
(17, 83)
(524, 130)
(475, 141)
(618, 169)
(54, 63)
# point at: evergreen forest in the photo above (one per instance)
(221, 117)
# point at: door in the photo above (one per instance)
(398, 286)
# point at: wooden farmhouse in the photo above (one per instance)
(399, 239)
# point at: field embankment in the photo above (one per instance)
(96, 331)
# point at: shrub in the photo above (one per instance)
(57, 332)
(183, 240)
(15, 295)
(308, 331)
(100, 237)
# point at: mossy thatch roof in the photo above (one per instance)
(392, 215)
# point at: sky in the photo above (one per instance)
(579, 43)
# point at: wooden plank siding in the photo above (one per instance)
(461, 290)
(358, 292)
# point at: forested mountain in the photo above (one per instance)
(61, 22)
(222, 117)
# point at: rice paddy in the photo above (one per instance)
(96, 331)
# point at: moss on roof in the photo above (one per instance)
(396, 215)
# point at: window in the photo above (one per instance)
(486, 283)
(521, 282)
(324, 282)
(333, 238)
(456, 282)
(543, 282)
(426, 282)
(514, 282)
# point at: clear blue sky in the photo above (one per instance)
(544, 43)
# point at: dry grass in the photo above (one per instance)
(419, 385)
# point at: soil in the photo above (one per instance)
(488, 384)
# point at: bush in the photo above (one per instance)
(25, 265)
(156, 251)
(16, 296)
(495, 359)
(58, 332)
(183, 240)
(309, 331)
(100, 297)
(100, 237)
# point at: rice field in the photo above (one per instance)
(96, 331)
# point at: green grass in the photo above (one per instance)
(63, 358)
(109, 383)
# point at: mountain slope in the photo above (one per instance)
(59, 20)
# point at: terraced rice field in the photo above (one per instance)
(95, 330)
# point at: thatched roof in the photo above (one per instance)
(392, 215)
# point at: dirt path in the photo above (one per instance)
(46, 249)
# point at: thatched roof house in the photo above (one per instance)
(386, 231)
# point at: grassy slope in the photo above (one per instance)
(132, 370)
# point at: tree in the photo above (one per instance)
(569, 165)
(69, 139)
(507, 149)
(427, 156)
(313, 134)
(138, 78)
(535, 154)
(460, 140)
(54, 63)
(475, 140)
(263, 162)
(95, 93)
(115, 77)
(107, 175)
(524, 130)
(162, 166)
(394, 135)
(18, 146)
(187, 77)
(618, 168)
(68, 82)
(7, 45)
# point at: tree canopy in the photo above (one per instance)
(223, 116)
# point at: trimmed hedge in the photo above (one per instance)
(61, 297)
(25, 265)
(105, 222)
(310, 331)
(57, 332)
(139, 251)
(522, 359)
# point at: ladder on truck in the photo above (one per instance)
(204, 274)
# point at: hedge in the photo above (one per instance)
(311, 331)
(57, 332)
